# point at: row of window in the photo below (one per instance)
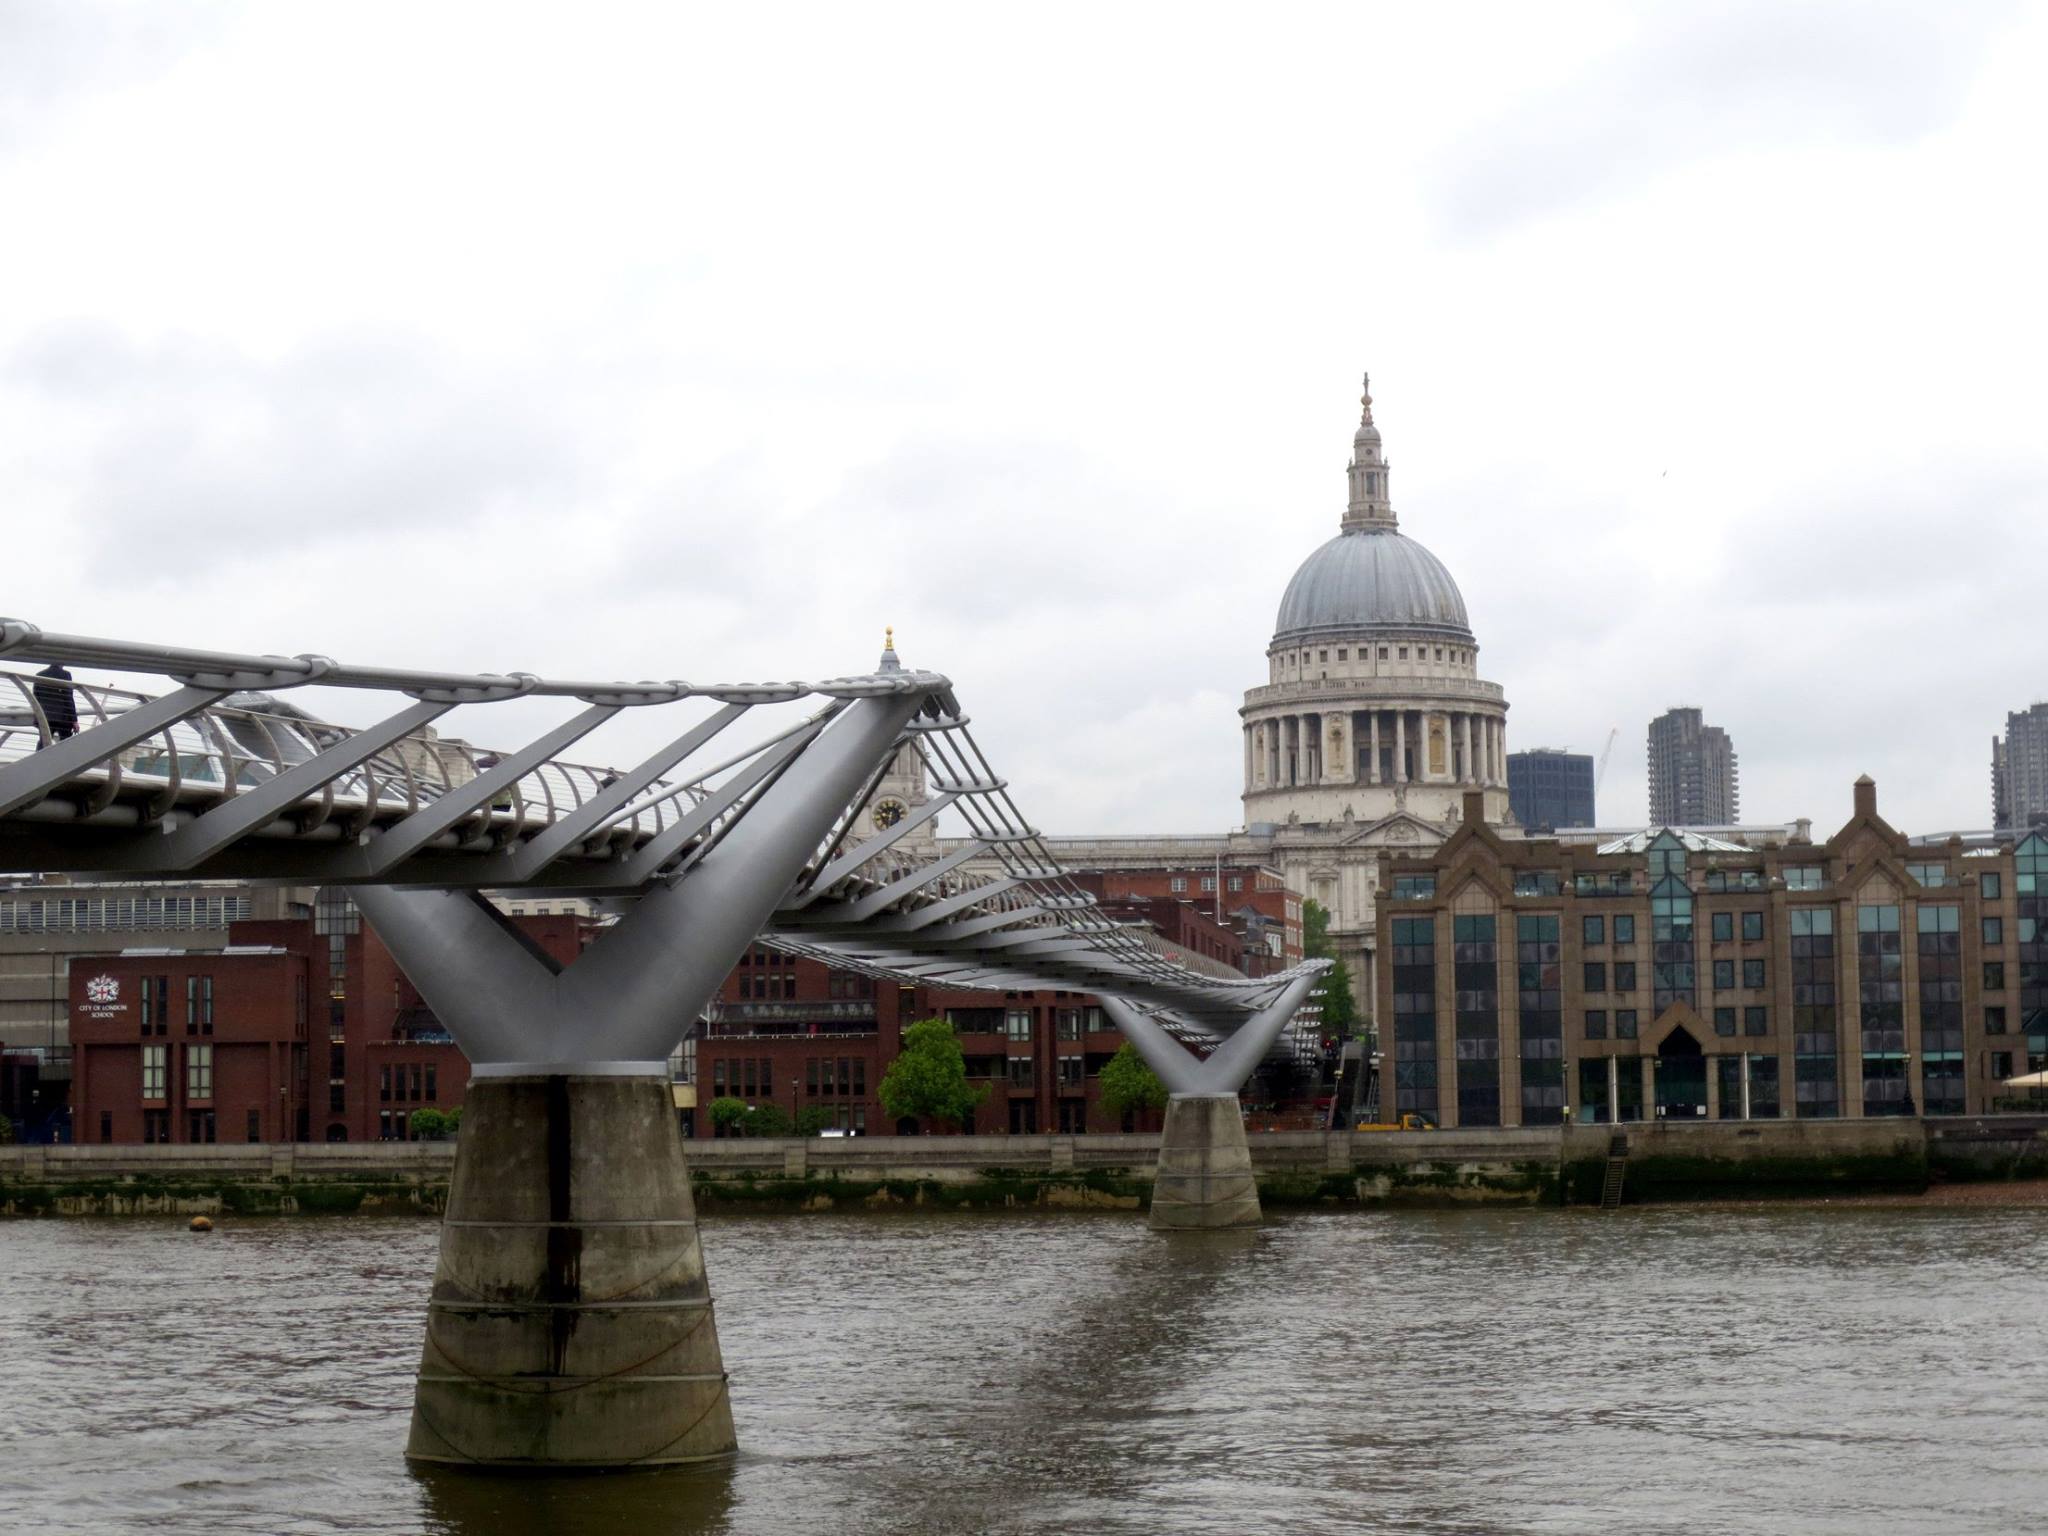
(73, 914)
(1021, 1023)
(1748, 1085)
(843, 1076)
(1178, 884)
(408, 1080)
(200, 1126)
(748, 1077)
(1593, 929)
(1301, 658)
(154, 1007)
(847, 1076)
(1722, 927)
(1798, 877)
(1611, 1088)
(198, 1072)
(1594, 975)
(1022, 1072)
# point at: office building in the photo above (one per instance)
(1670, 974)
(1548, 789)
(1693, 780)
(2019, 771)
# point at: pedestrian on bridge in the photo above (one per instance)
(54, 698)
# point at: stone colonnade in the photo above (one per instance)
(1374, 746)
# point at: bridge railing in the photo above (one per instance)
(220, 777)
(251, 738)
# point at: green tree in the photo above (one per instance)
(767, 1120)
(1340, 1012)
(726, 1114)
(811, 1119)
(928, 1081)
(429, 1125)
(455, 1118)
(1128, 1084)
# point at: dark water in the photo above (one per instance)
(1786, 1371)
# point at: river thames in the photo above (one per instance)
(1794, 1370)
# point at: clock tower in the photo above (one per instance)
(901, 790)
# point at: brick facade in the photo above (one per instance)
(799, 1034)
(284, 1034)
(1868, 975)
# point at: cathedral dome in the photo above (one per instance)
(1368, 578)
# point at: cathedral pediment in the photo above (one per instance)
(1400, 830)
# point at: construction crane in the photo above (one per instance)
(1600, 772)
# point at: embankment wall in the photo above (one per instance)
(1666, 1161)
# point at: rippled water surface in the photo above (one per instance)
(1798, 1370)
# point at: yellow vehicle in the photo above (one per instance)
(1406, 1123)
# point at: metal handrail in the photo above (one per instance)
(193, 757)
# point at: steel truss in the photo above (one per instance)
(708, 845)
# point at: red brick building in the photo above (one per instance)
(798, 1034)
(305, 1029)
(195, 1045)
(1251, 901)
(296, 1030)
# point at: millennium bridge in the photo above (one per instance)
(571, 1320)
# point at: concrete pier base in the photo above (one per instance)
(1205, 1168)
(571, 1322)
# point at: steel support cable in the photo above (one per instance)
(985, 820)
(848, 818)
(19, 638)
(992, 816)
(610, 804)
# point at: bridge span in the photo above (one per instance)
(571, 1319)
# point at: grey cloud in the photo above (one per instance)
(1056, 526)
(1872, 623)
(241, 455)
(1697, 83)
(995, 527)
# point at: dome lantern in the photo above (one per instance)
(1372, 497)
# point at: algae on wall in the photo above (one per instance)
(1664, 1176)
(2022, 1154)
(199, 1196)
(989, 1189)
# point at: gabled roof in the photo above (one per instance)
(1692, 842)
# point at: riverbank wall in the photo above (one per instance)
(1667, 1161)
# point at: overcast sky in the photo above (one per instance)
(1708, 343)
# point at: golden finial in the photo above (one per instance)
(888, 637)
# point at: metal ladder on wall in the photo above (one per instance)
(1617, 1171)
(1369, 1113)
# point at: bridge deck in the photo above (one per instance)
(222, 779)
